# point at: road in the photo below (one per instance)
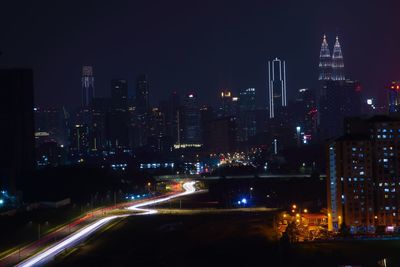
(62, 232)
(72, 240)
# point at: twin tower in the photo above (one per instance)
(331, 67)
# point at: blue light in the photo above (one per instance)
(244, 201)
(138, 196)
(239, 202)
(1, 201)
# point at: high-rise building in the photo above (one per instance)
(340, 99)
(393, 92)
(331, 67)
(228, 104)
(349, 183)
(79, 143)
(119, 94)
(157, 138)
(50, 122)
(17, 119)
(99, 124)
(171, 109)
(325, 61)
(247, 124)
(363, 174)
(276, 86)
(303, 115)
(87, 86)
(191, 120)
(220, 135)
(117, 117)
(140, 129)
(337, 62)
(207, 114)
(142, 95)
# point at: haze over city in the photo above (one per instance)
(184, 45)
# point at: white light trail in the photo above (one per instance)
(75, 238)
(189, 189)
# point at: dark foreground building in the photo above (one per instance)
(17, 125)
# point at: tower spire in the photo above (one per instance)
(337, 62)
(325, 61)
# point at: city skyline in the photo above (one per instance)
(281, 118)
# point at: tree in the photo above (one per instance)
(344, 230)
(291, 232)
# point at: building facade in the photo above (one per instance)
(363, 175)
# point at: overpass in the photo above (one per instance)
(177, 177)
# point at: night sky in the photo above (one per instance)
(195, 45)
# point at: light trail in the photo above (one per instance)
(83, 233)
(189, 189)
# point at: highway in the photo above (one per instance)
(72, 240)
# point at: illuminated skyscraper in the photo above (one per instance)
(325, 61)
(337, 62)
(87, 86)
(276, 86)
(331, 68)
